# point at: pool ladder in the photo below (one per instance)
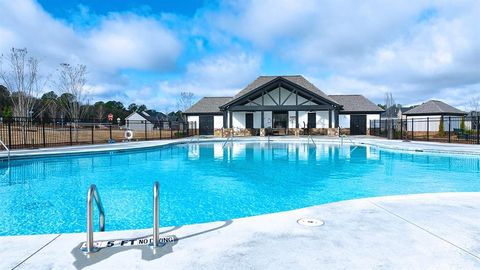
(352, 142)
(311, 139)
(93, 195)
(6, 148)
(229, 139)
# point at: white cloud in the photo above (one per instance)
(119, 41)
(414, 49)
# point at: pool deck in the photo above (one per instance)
(424, 231)
(412, 146)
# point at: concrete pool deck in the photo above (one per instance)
(425, 231)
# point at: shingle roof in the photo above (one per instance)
(208, 105)
(356, 103)
(296, 79)
(434, 107)
(153, 118)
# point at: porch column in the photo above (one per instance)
(296, 119)
(262, 120)
(230, 124)
(330, 118)
(335, 113)
(225, 119)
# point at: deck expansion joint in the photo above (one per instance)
(31, 255)
(426, 230)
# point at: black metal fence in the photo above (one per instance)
(18, 133)
(438, 129)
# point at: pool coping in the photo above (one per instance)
(432, 230)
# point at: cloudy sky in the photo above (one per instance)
(149, 51)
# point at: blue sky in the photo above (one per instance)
(150, 51)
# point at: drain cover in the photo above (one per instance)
(310, 222)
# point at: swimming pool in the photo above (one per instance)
(205, 182)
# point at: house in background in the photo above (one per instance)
(395, 112)
(427, 117)
(282, 105)
(143, 121)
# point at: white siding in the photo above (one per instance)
(291, 119)
(267, 118)
(238, 120)
(302, 119)
(136, 122)
(372, 117)
(193, 119)
(322, 119)
(344, 120)
(420, 123)
(217, 121)
(257, 119)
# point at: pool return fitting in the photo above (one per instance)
(89, 246)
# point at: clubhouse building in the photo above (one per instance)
(282, 105)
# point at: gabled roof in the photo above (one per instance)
(434, 107)
(356, 103)
(208, 105)
(296, 79)
(151, 118)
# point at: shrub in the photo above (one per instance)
(462, 123)
(441, 128)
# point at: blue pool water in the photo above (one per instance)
(204, 182)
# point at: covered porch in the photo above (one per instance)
(280, 107)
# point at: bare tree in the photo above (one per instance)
(474, 104)
(23, 80)
(185, 101)
(71, 84)
(100, 112)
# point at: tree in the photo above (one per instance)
(4, 98)
(474, 104)
(99, 108)
(185, 101)
(50, 105)
(132, 107)
(142, 108)
(71, 83)
(23, 80)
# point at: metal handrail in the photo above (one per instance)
(195, 137)
(6, 148)
(345, 136)
(310, 138)
(92, 194)
(156, 219)
(228, 139)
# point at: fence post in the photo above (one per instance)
(161, 128)
(449, 121)
(93, 128)
(428, 128)
(171, 131)
(43, 132)
(10, 134)
(478, 129)
(70, 128)
(145, 130)
(412, 130)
